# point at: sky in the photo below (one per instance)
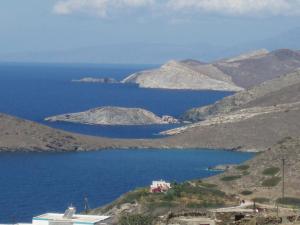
(143, 31)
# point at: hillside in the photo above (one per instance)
(184, 75)
(114, 116)
(19, 135)
(261, 177)
(252, 69)
(254, 128)
(281, 90)
(230, 74)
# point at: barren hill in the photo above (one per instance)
(231, 74)
(252, 69)
(281, 90)
(184, 75)
(261, 177)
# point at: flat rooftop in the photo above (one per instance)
(77, 218)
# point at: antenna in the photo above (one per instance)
(283, 184)
(86, 205)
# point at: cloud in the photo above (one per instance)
(98, 7)
(238, 7)
(103, 8)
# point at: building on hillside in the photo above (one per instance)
(159, 186)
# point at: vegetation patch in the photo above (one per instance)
(271, 171)
(208, 185)
(188, 194)
(243, 167)
(289, 201)
(231, 178)
(246, 192)
(261, 200)
(135, 220)
(271, 182)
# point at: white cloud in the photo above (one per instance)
(231, 7)
(238, 7)
(98, 7)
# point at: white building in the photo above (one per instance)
(159, 186)
(68, 218)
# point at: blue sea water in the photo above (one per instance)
(36, 91)
(34, 183)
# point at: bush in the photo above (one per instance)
(271, 182)
(246, 192)
(242, 167)
(271, 171)
(261, 200)
(231, 178)
(135, 220)
(289, 201)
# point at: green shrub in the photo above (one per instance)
(135, 220)
(261, 200)
(271, 182)
(246, 192)
(242, 167)
(271, 171)
(231, 178)
(289, 201)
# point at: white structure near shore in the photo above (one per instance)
(159, 186)
(68, 218)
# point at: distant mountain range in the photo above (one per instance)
(152, 53)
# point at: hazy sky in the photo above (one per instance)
(56, 25)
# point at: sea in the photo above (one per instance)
(35, 183)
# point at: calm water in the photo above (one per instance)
(31, 184)
(36, 183)
(38, 91)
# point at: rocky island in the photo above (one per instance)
(105, 80)
(114, 116)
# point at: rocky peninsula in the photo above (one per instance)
(184, 75)
(114, 116)
(231, 74)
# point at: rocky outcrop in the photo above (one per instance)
(281, 90)
(105, 80)
(114, 116)
(184, 75)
